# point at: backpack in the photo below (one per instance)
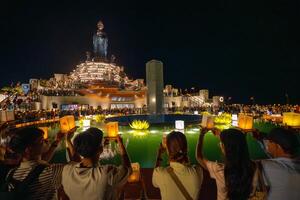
(20, 189)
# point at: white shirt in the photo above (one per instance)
(190, 176)
(93, 183)
(283, 177)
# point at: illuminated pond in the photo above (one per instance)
(142, 145)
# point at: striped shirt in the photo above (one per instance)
(49, 180)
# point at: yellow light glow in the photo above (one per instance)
(207, 121)
(45, 130)
(291, 119)
(139, 124)
(140, 133)
(245, 122)
(112, 129)
(135, 175)
(224, 118)
(67, 123)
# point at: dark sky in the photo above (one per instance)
(230, 47)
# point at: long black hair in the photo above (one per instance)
(177, 147)
(239, 169)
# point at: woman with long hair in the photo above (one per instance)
(189, 177)
(237, 177)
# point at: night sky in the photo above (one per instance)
(231, 48)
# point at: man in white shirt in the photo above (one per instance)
(89, 180)
(282, 173)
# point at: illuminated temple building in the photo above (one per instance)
(99, 82)
(96, 82)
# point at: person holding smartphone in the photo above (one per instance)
(179, 180)
(87, 179)
(30, 146)
(237, 176)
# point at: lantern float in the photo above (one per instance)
(291, 119)
(112, 129)
(135, 175)
(67, 123)
(207, 121)
(86, 123)
(179, 125)
(245, 122)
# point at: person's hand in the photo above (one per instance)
(70, 133)
(121, 145)
(161, 148)
(119, 139)
(59, 136)
(257, 135)
(216, 132)
(73, 130)
(204, 130)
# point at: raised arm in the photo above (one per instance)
(47, 156)
(160, 151)
(70, 148)
(125, 159)
(199, 150)
(59, 136)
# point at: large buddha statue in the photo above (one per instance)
(100, 42)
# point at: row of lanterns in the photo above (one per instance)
(245, 122)
(242, 121)
(36, 122)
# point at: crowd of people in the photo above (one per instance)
(25, 168)
(256, 110)
(61, 92)
(36, 115)
(262, 109)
